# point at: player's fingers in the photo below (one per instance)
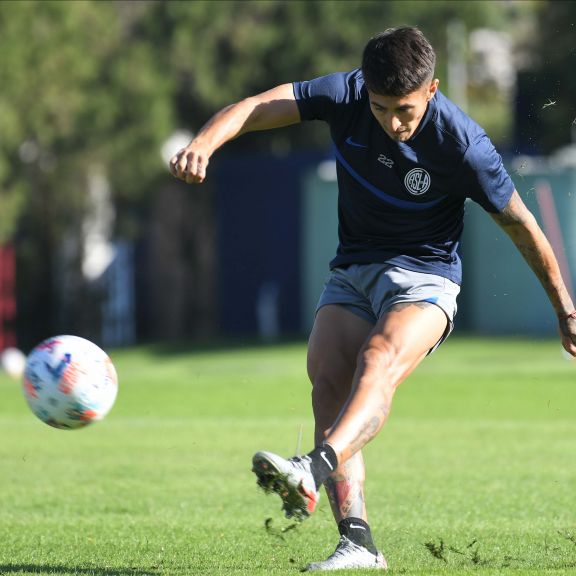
(189, 166)
(196, 169)
(174, 162)
(182, 164)
(173, 165)
(201, 167)
(178, 163)
(191, 170)
(569, 344)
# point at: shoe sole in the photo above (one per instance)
(272, 480)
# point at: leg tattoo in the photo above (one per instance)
(374, 420)
(345, 489)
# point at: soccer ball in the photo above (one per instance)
(69, 382)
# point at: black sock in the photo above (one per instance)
(323, 462)
(357, 531)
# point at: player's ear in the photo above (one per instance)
(433, 87)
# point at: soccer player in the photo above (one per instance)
(407, 159)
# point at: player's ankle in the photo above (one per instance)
(357, 531)
(323, 461)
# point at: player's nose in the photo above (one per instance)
(394, 123)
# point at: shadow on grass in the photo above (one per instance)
(56, 569)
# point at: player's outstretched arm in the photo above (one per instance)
(519, 223)
(271, 109)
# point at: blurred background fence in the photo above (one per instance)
(98, 239)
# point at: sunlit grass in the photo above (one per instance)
(474, 472)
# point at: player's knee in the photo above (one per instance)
(376, 354)
(379, 357)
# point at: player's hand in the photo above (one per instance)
(190, 163)
(568, 334)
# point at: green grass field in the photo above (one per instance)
(474, 473)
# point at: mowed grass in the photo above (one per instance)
(474, 473)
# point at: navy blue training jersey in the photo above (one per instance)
(403, 202)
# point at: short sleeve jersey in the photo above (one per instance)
(402, 203)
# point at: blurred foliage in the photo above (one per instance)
(77, 90)
(219, 53)
(101, 85)
(105, 83)
(79, 93)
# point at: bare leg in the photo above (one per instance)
(345, 489)
(335, 342)
(355, 369)
(396, 345)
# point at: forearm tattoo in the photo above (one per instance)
(521, 226)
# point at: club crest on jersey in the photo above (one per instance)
(417, 181)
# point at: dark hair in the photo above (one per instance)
(398, 61)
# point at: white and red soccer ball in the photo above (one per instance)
(69, 382)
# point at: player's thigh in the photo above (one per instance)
(403, 336)
(335, 341)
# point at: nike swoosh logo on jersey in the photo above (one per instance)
(323, 456)
(357, 526)
(351, 142)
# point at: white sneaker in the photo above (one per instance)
(349, 555)
(291, 479)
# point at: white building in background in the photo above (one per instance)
(108, 263)
(105, 280)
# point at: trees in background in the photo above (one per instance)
(97, 87)
(79, 93)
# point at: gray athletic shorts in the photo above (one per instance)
(369, 290)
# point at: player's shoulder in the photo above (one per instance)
(342, 87)
(454, 125)
(355, 84)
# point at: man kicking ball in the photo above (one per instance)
(407, 160)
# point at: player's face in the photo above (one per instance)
(399, 116)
